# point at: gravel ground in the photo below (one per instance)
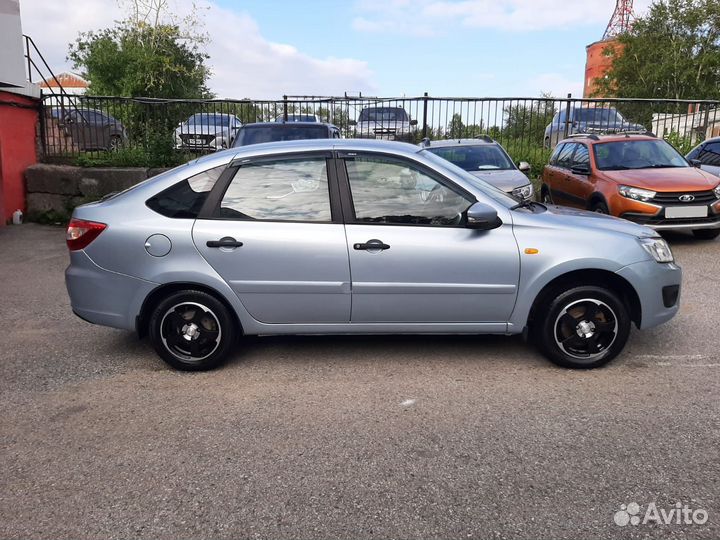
(348, 437)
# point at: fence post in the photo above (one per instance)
(285, 109)
(425, 122)
(567, 117)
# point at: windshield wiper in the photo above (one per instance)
(525, 203)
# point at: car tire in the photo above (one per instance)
(192, 330)
(706, 234)
(115, 143)
(546, 142)
(581, 328)
(545, 196)
(601, 208)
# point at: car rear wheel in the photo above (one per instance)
(192, 330)
(706, 234)
(115, 143)
(583, 327)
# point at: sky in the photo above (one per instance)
(263, 49)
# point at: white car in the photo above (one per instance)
(207, 131)
(386, 123)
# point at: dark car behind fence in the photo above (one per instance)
(528, 127)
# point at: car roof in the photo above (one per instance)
(310, 145)
(592, 138)
(459, 142)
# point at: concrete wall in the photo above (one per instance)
(18, 121)
(54, 190)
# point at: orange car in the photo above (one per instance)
(637, 177)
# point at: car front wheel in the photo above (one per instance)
(192, 330)
(582, 328)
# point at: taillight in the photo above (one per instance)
(80, 233)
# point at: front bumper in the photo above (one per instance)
(654, 216)
(655, 285)
(385, 136)
(103, 297)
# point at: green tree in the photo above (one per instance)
(527, 121)
(148, 54)
(458, 130)
(672, 52)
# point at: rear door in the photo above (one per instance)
(273, 230)
(412, 259)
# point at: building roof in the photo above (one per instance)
(66, 80)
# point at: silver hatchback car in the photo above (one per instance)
(348, 236)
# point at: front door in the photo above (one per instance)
(412, 259)
(271, 234)
(579, 187)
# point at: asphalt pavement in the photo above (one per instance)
(350, 437)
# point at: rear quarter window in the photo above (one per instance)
(185, 199)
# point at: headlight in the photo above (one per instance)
(717, 191)
(658, 248)
(523, 192)
(636, 193)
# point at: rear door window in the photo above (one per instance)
(185, 199)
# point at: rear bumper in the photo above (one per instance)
(103, 297)
(655, 285)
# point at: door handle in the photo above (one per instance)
(226, 242)
(371, 245)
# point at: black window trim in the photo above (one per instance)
(211, 207)
(348, 208)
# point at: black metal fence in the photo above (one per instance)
(160, 132)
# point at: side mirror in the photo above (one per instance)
(524, 167)
(482, 217)
(413, 122)
(352, 123)
(580, 169)
(695, 163)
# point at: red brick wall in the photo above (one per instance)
(18, 124)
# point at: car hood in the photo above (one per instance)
(670, 179)
(563, 216)
(507, 180)
(201, 129)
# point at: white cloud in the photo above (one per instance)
(554, 84)
(440, 16)
(244, 63)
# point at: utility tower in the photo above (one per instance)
(620, 20)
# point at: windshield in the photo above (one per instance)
(636, 154)
(383, 114)
(488, 189)
(475, 158)
(208, 119)
(283, 132)
(598, 116)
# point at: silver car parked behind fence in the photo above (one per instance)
(346, 236)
